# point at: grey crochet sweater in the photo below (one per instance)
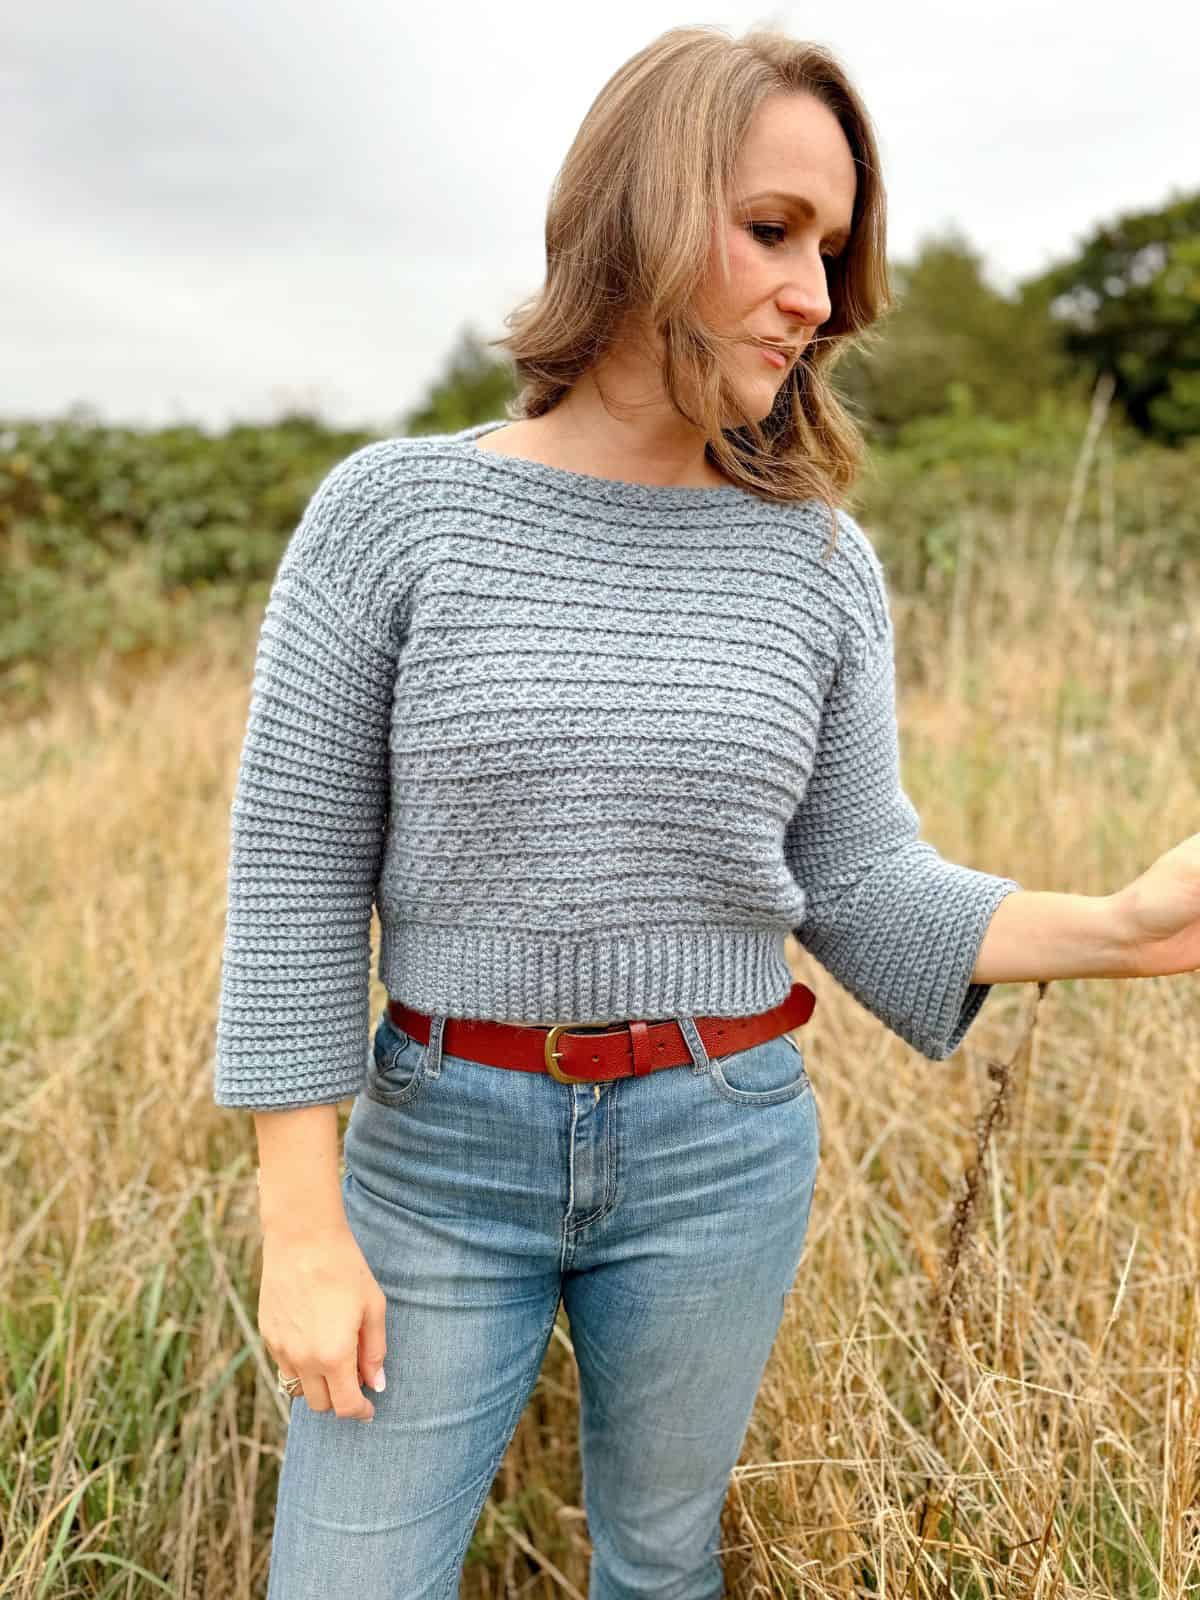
(591, 748)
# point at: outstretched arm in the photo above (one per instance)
(1151, 928)
(896, 924)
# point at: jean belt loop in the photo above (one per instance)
(695, 1044)
(436, 1028)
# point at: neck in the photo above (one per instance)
(588, 431)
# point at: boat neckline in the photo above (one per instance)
(624, 488)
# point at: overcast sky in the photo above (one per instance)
(214, 212)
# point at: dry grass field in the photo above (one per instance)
(988, 1379)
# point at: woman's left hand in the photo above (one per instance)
(1159, 913)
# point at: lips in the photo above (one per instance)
(775, 355)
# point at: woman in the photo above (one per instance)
(595, 705)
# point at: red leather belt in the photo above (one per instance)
(581, 1052)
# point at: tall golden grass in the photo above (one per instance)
(987, 1379)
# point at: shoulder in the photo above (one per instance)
(372, 469)
(360, 512)
(845, 567)
(865, 576)
(868, 643)
(357, 544)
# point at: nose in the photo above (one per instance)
(805, 298)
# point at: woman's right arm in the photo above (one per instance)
(308, 819)
(320, 1311)
(311, 800)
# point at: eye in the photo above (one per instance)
(779, 229)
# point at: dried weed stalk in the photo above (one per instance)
(953, 1277)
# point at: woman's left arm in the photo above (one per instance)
(1149, 929)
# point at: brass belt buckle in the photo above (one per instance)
(552, 1055)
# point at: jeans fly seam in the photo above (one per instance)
(575, 1224)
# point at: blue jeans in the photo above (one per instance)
(667, 1213)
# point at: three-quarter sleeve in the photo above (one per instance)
(895, 924)
(307, 819)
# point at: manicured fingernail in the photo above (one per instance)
(379, 1382)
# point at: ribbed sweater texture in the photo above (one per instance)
(592, 749)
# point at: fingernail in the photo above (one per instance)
(379, 1382)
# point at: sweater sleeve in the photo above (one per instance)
(308, 813)
(898, 926)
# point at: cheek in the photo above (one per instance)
(745, 259)
(744, 270)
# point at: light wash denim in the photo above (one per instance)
(667, 1213)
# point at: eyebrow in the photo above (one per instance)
(803, 206)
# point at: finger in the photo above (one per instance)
(315, 1390)
(284, 1371)
(372, 1345)
(348, 1399)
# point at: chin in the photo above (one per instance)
(760, 402)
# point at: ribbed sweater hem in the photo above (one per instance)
(682, 972)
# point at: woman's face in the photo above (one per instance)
(790, 210)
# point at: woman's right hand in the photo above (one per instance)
(322, 1316)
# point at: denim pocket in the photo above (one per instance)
(763, 1075)
(396, 1068)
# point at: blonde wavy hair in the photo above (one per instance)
(628, 232)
